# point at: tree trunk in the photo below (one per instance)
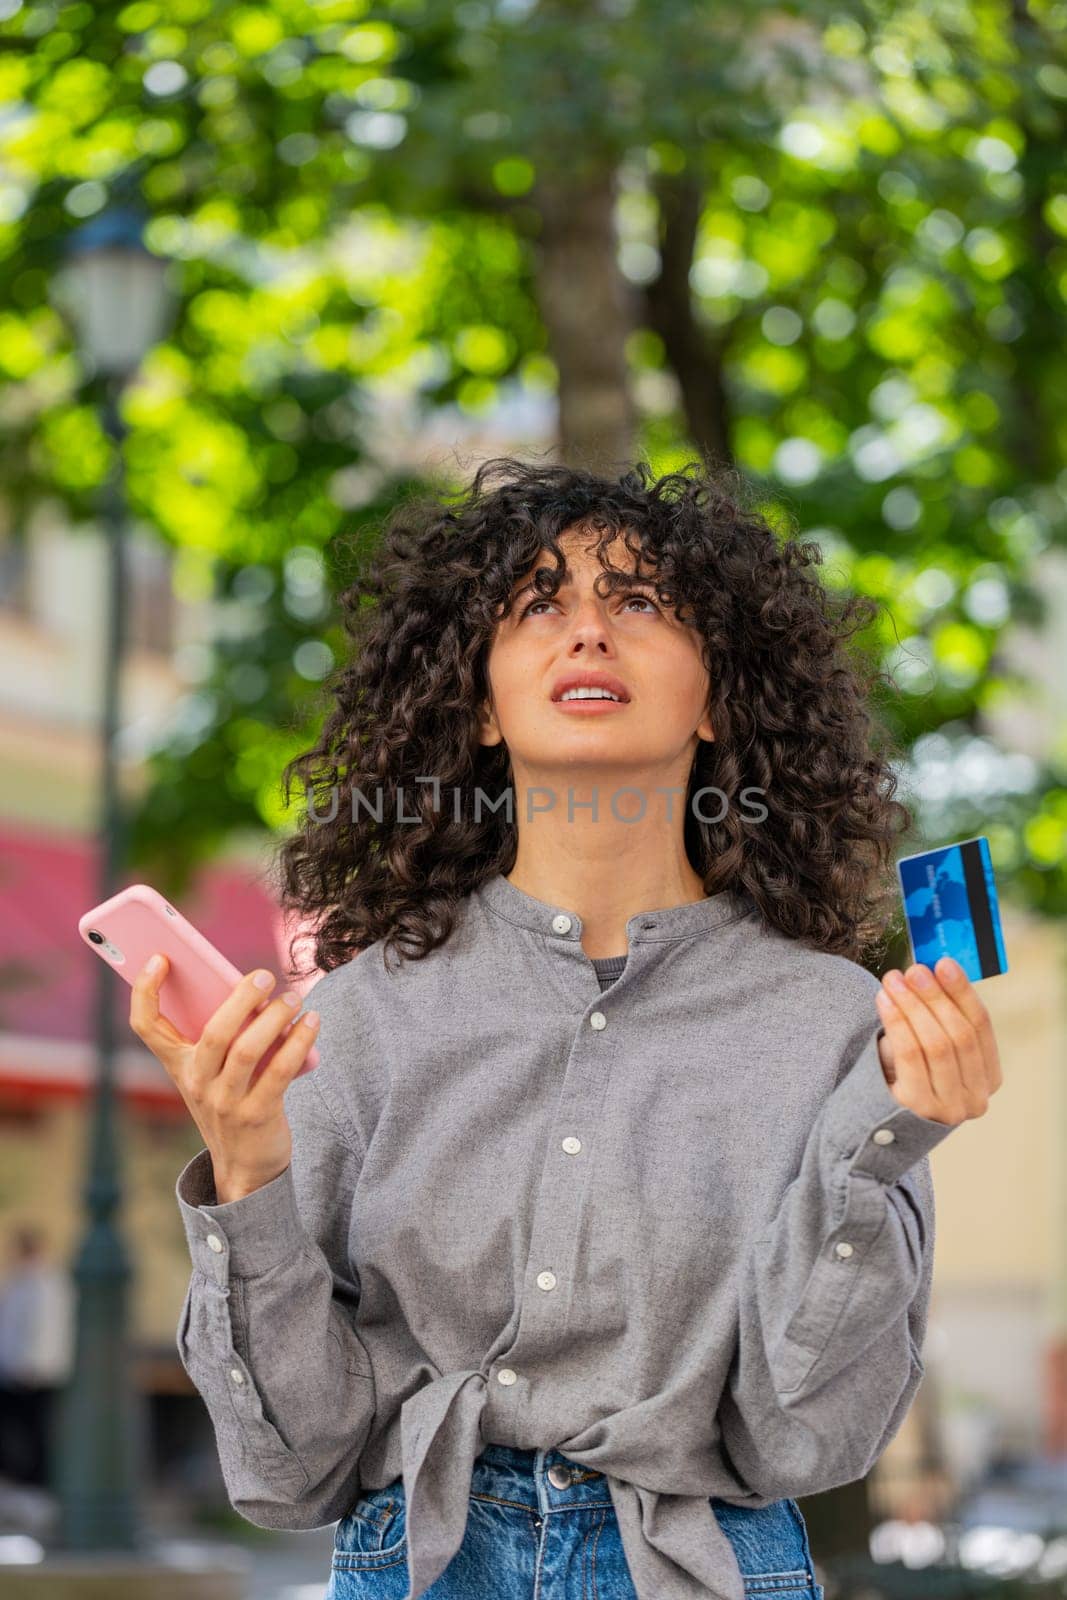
(839, 1521)
(588, 313)
(693, 354)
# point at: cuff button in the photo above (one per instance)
(844, 1250)
(884, 1136)
(214, 1242)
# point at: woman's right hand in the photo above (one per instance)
(242, 1124)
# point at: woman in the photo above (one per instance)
(604, 1226)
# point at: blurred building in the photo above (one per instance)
(996, 1347)
(52, 615)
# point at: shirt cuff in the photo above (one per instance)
(238, 1238)
(865, 1124)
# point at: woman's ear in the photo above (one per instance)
(488, 728)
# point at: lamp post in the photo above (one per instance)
(114, 291)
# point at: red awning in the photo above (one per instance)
(48, 975)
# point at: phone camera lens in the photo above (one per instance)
(97, 938)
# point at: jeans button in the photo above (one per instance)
(559, 1477)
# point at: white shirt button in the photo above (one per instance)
(214, 1242)
(505, 1375)
(237, 1375)
(598, 1020)
(561, 924)
(546, 1280)
(884, 1136)
(842, 1249)
(572, 1145)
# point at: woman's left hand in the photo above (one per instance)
(938, 1053)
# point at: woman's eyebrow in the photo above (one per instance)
(630, 577)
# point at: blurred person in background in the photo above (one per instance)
(36, 1348)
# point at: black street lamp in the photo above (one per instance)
(115, 293)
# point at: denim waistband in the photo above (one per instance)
(534, 1478)
(771, 1539)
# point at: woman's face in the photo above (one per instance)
(627, 637)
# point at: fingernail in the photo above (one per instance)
(311, 1018)
(950, 968)
(263, 980)
(291, 999)
(923, 977)
(155, 964)
(894, 980)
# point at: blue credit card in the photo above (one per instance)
(950, 902)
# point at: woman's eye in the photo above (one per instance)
(626, 601)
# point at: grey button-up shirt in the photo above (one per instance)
(679, 1229)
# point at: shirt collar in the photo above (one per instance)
(507, 900)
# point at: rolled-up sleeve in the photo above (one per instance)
(835, 1295)
(266, 1331)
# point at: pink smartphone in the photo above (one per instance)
(136, 922)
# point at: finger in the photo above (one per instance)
(148, 1022)
(253, 1041)
(283, 1065)
(970, 1091)
(221, 1027)
(959, 987)
(885, 1050)
(911, 1080)
(938, 1049)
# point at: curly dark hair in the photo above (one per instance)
(790, 704)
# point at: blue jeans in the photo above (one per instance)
(527, 1538)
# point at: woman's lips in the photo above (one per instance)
(587, 706)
